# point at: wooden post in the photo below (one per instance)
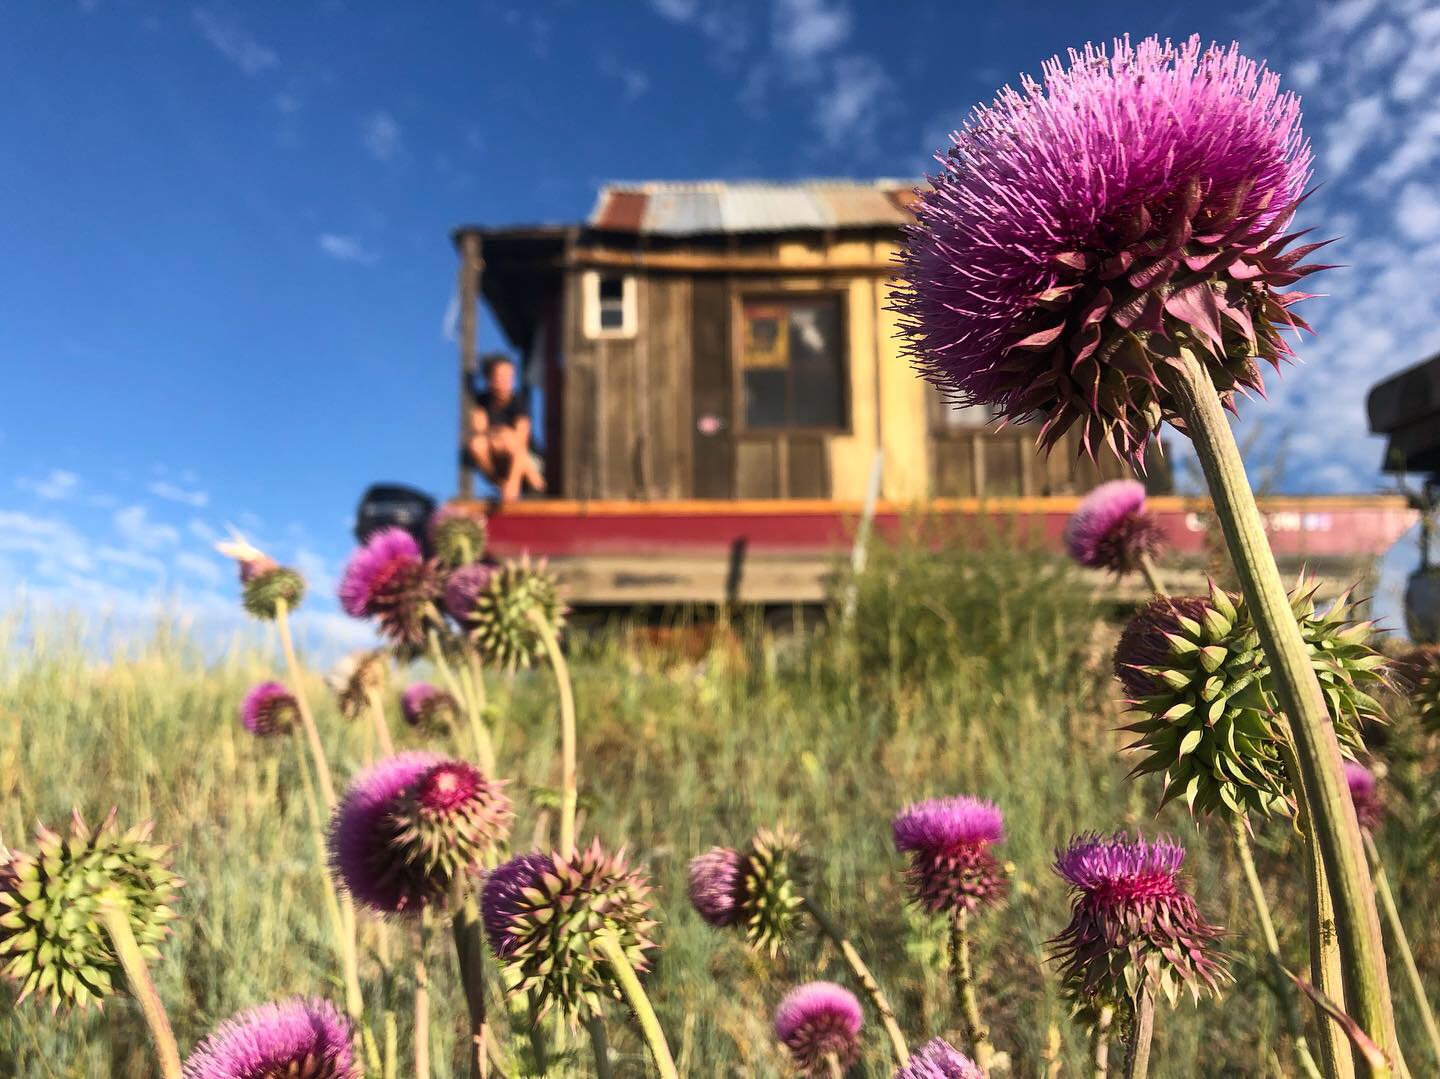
(469, 291)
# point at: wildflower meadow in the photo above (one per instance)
(989, 819)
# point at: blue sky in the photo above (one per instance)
(226, 265)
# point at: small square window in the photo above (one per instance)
(609, 304)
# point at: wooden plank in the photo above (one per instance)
(809, 467)
(686, 262)
(582, 441)
(756, 471)
(469, 288)
(712, 448)
(600, 580)
(683, 415)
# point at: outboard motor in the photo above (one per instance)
(394, 505)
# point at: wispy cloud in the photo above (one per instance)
(343, 248)
(633, 82)
(173, 492)
(55, 485)
(198, 566)
(382, 136)
(231, 40)
(133, 524)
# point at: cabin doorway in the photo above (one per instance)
(768, 391)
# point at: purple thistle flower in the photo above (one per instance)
(543, 915)
(1110, 529)
(1132, 921)
(428, 707)
(463, 587)
(1084, 227)
(411, 824)
(304, 1039)
(938, 1059)
(819, 1020)
(951, 864)
(389, 580)
(717, 880)
(269, 709)
(1365, 794)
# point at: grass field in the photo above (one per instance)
(981, 672)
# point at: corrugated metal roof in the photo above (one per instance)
(687, 209)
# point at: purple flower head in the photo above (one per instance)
(410, 825)
(304, 1039)
(819, 1020)
(1110, 529)
(389, 580)
(1131, 921)
(463, 587)
(457, 534)
(250, 568)
(951, 865)
(1084, 227)
(544, 915)
(428, 707)
(717, 886)
(938, 1059)
(1145, 642)
(1365, 794)
(269, 709)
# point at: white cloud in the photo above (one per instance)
(808, 29)
(1346, 137)
(633, 82)
(846, 111)
(233, 41)
(174, 493)
(48, 538)
(55, 485)
(134, 526)
(677, 10)
(346, 249)
(1417, 212)
(382, 136)
(317, 570)
(206, 569)
(129, 559)
(202, 530)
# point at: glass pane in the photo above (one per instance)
(765, 397)
(612, 287)
(612, 315)
(815, 365)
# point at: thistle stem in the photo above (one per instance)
(1402, 945)
(639, 1003)
(307, 718)
(1142, 1030)
(599, 1043)
(115, 914)
(1280, 983)
(422, 1002)
(1100, 1042)
(473, 680)
(867, 981)
(1151, 575)
(569, 790)
(470, 953)
(391, 1031)
(832, 1065)
(1332, 816)
(437, 657)
(964, 974)
(377, 717)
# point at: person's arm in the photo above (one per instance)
(479, 420)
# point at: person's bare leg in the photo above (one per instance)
(484, 458)
(507, 469)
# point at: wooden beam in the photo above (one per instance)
(469, 288)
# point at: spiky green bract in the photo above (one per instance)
(544, 915)
(52, 939)
(1210, 721)
(262, 591)
(499, 621)
(774, 872)
(457, 535)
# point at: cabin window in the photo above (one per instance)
(792, 363)
(608, 303)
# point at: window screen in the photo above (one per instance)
(791, 363)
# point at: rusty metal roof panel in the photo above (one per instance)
(699, 208)
(684, 211)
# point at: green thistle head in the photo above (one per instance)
(267, 586)
(773, 874)
(457, 535)
(52, 940)
(1420, 674)
(501, 621)
(544, 915)
(1209, 718)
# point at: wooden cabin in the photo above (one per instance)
(719, 365)
(735, 341)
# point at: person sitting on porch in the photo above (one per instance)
(500, 431)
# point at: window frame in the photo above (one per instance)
(742, 296)
(590, 305)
